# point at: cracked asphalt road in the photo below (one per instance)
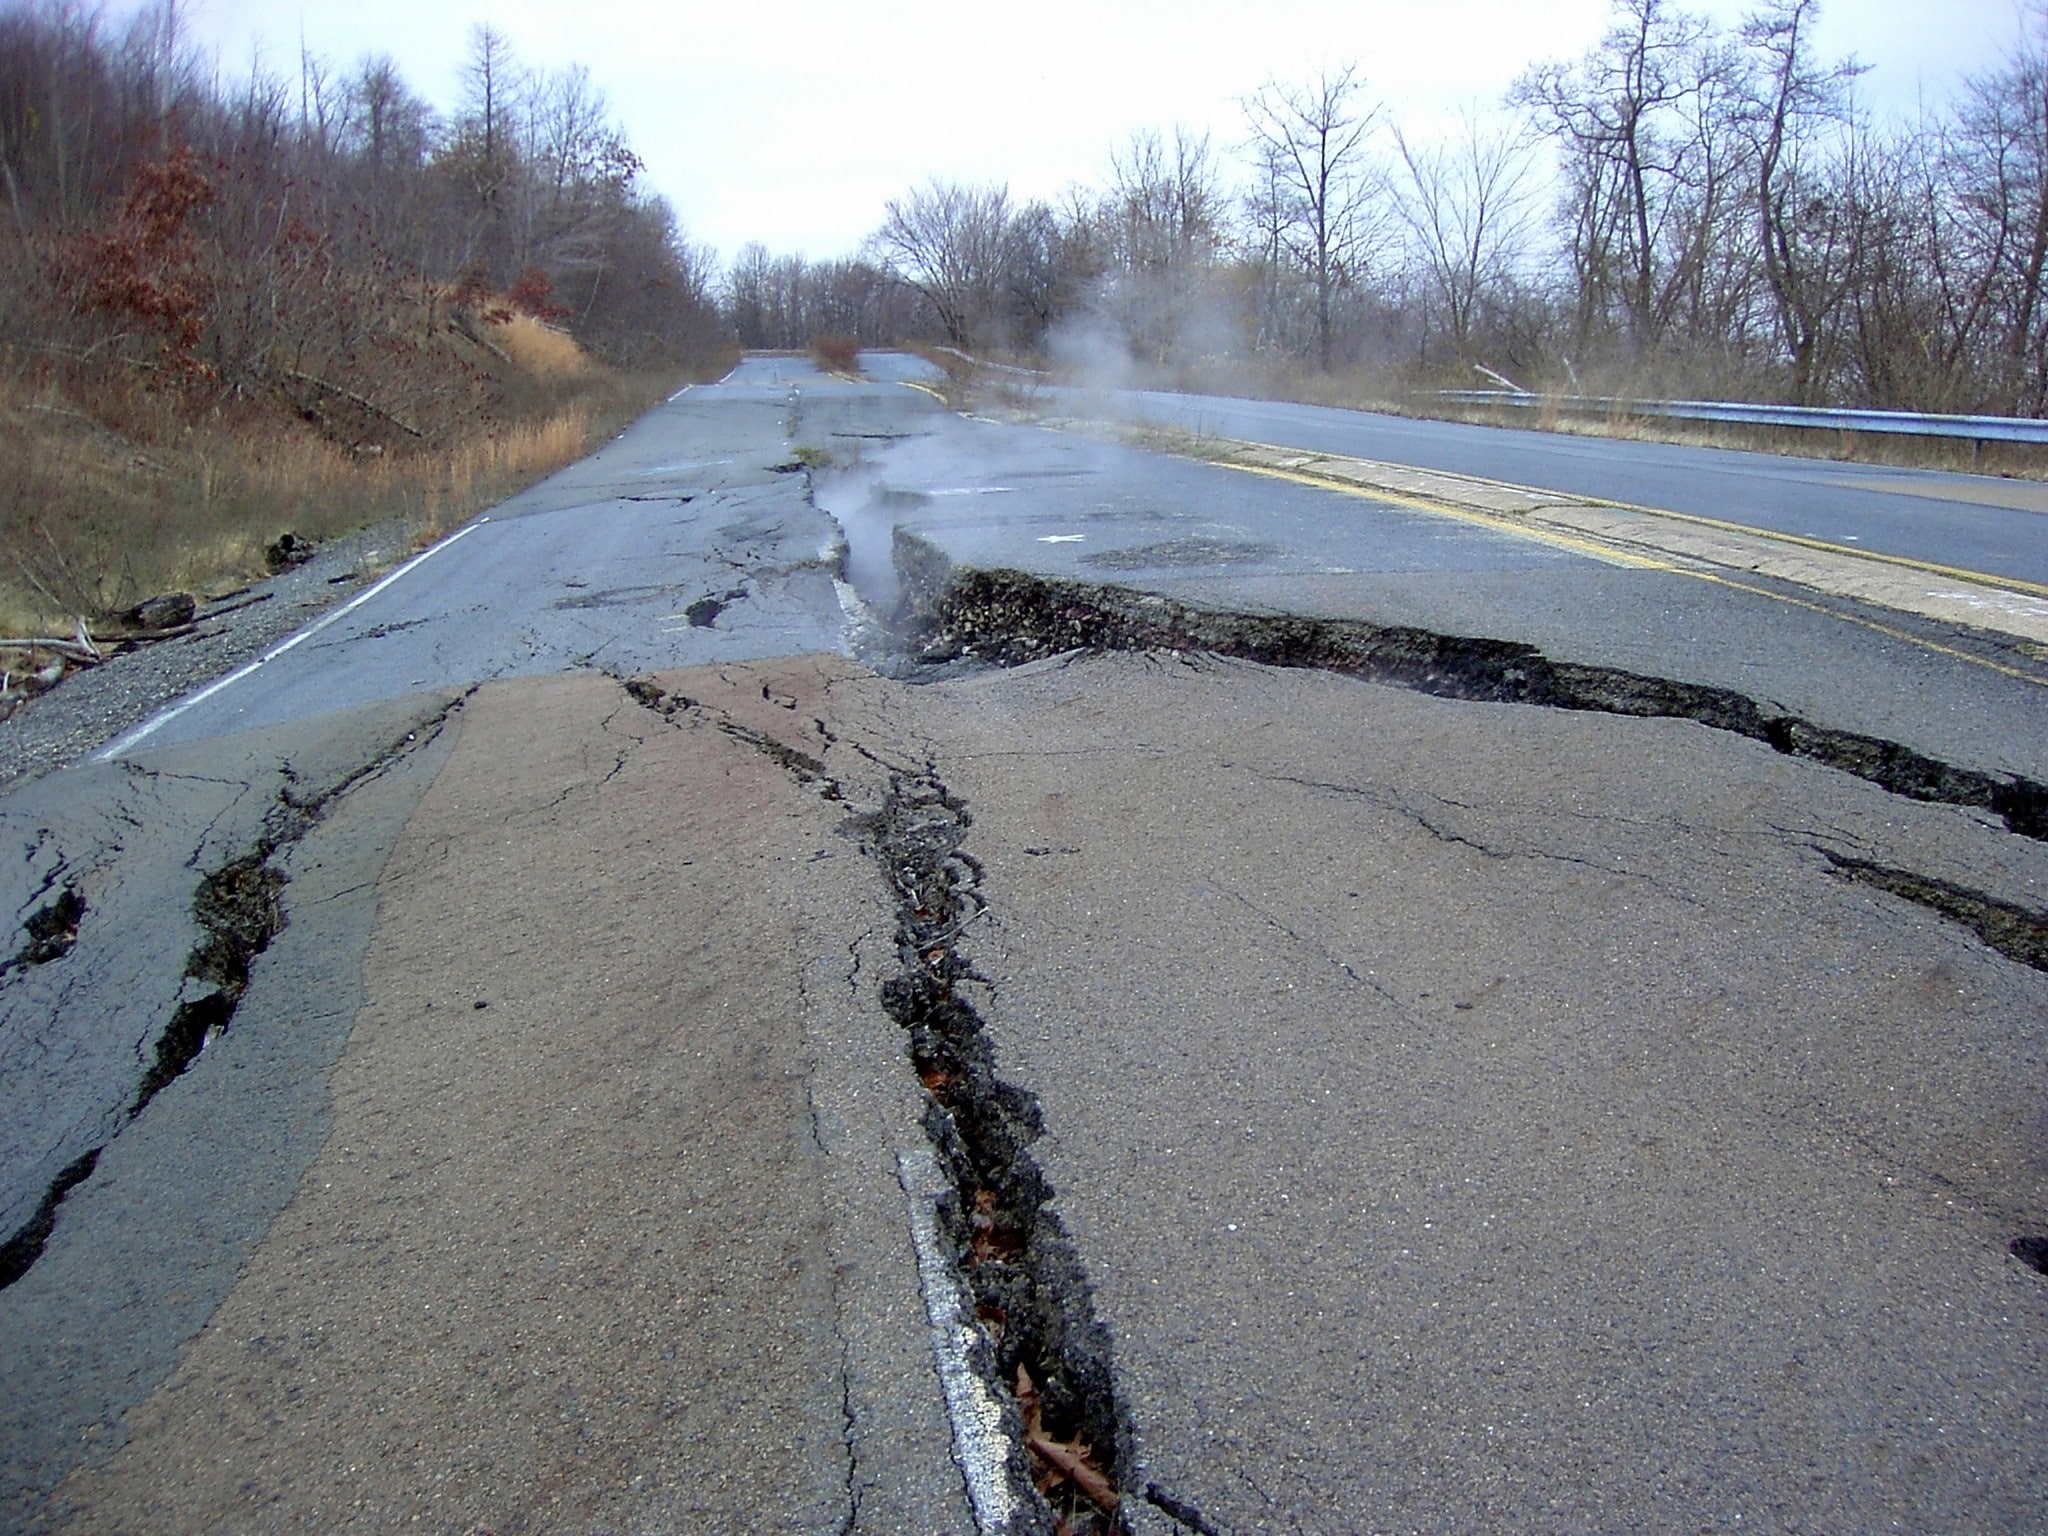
(1470, 1116)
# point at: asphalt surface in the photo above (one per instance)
(1977, 523)
(689, 538)
(1465, 1116)
(1073, 508)
(1478, 1120)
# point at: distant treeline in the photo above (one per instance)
(307, 239)
(1684, 210)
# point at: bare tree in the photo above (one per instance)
(1801, 229)
(1158, 229)
(1312, 137)
(1163, 207)
(1996, 160)
(1262, 243)
(1036, 276)
(1645, 124)
(484, 151)
(1467, 208)
(948, 241)
(387, 135)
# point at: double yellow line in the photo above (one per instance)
(1492, 520)
(1605, 552)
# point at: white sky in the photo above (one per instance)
(792, 121)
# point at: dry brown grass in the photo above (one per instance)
(836, 354)
(540, 349)
(94, 519)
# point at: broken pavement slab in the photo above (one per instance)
(1462, 1113)
(1481, 1117)
(608, 1230)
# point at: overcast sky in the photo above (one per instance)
(792, 121)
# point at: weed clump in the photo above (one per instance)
(836, 354)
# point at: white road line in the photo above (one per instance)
(151, 726)
(980, 1447)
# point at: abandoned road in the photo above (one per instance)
(850, 965)
(1971, 521)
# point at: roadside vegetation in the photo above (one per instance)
(1687, 211)
(835, 353)
(228, 313)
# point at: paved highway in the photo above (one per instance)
(1073, 508)
(1999, 527)
(1392, 1020)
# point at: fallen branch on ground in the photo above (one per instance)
(349, 395)
(1064, 1460)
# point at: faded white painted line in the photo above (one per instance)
(669, 469)
(1061, 538)
(152, 726)
(980, 1447)
(851, 603)
(1997, 602)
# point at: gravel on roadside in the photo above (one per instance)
(93, 706)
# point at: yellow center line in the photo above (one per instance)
(1513, 526)
(1927, 567)
(1499, 524)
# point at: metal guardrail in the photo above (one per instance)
(1983, 429)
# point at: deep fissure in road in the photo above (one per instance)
(1009, 617)
(1043, 1352)
(239, 908)
(19, 1253)
(1046, 1348)
(2013, 931)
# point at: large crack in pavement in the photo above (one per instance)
(1009, 617)
(1043, 1358)
(2016, 933)
(239, 908)
(949, 615)
(1012, 617)
(1029, 1289)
